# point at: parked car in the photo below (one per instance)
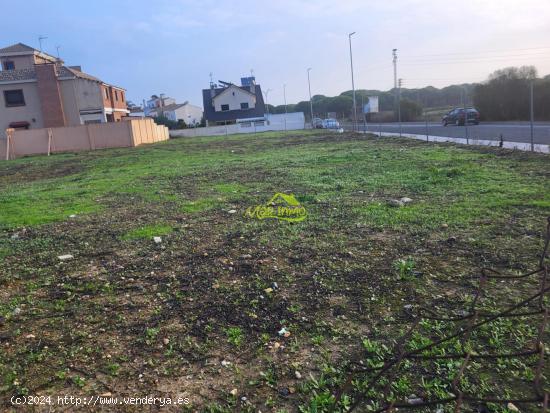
(331, 124)
(456, 117)
(317, 123)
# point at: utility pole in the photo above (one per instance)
(532, 110)
(310, 102)
(395, 104)
(266, 104)
(466, 118)
(284, 97)
(363, 112)
(400, 82)
(352, 84)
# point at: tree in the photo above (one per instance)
(506, 95)
(410, 110)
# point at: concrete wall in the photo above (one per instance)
(84, 137)
(234, 96)
(294, 121)
(81, 95)
(31, 112)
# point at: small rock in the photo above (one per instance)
(65, 257)
(157, 240)
(297, 374)
(284, 391)
(16, 310)
(226, 363)
(234, 392)
(284, 332)
(166, 341)
(395, 203)
(232, 211)
(408, 307)
(15, 236)
(107, 394)
(243, 398)
(246, 256)
(30, 336)
(511, 406)
(406, 200)
(445, 226)
(72, 216)
(275, 285)
(415, 400)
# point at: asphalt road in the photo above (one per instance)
(511, 131)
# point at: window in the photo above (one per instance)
(106, 93)
(246, 124)
(9, 65)
(122, 96)
(244, 105)
(116, 95)
(225, 107)
(14, 98)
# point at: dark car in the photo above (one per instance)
(317, 123)
(456, 117)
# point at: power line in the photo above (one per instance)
(479, 52)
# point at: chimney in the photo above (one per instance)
(49, 95)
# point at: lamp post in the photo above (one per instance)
(352, 83)
(310, 102)
(284, 96)
(266, 104)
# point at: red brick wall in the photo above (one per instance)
(119, 98)
(50, 95)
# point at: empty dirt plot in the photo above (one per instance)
(172, 292)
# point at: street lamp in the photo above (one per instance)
(284, 96)
(310, 102)
(266, 104)
(352, 83)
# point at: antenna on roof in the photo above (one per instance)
(211, 81)
(40, 38)
(251, 72)
(57, 48)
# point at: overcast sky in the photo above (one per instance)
(171, 46)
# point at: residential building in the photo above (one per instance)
(37, 90)
(190, 114)
(157, 102)
(229, 103)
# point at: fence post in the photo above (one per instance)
(90, 137)
(9, 132)
(50, 137)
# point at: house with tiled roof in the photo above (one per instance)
(38, 90)
(186, 112)
(229, 103)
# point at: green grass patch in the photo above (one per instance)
(148, 231)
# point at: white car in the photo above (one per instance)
(331, 124)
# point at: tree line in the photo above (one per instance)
(503, 96)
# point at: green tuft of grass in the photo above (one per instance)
(199, 205)
(148, 231)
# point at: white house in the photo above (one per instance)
(190, 114)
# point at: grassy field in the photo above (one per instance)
(198, 315)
